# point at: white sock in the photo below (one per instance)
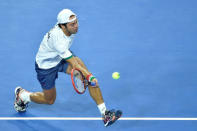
(25, 96)
(102, 108)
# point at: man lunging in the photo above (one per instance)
(54, 56)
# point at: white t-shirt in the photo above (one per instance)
(53, 48)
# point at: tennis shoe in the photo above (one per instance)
(111, 116)
(19, 104)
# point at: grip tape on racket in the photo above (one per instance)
(92, 83)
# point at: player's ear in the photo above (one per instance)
(62, 25)
(59, 25)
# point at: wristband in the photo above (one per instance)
(90, 77)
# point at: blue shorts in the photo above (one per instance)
(47, 77)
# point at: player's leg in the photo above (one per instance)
(47, 79)
(95, 92)
(48, 95)
(45, 97)
(109, 117)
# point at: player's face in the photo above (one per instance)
(72, 27)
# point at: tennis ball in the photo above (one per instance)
(116, 75)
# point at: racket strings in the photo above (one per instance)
(79, 81)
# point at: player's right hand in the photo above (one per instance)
(95, 81)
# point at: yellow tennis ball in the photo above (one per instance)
(115, 75)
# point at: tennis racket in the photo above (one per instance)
(79, 81)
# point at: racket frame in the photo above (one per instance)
(84, 81)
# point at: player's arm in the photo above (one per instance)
(73, 62)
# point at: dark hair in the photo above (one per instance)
(63, 25)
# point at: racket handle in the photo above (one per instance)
(92, 83)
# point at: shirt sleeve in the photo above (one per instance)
(61, 45)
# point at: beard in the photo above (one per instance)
(73, 31)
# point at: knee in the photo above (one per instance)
(50, 101)
(50, 96)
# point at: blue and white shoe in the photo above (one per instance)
(111, 116)
(19, 104)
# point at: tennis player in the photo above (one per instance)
(54, 56)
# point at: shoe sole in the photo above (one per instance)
(18, 87)
(118, 114)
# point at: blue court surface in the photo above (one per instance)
(152, 43)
